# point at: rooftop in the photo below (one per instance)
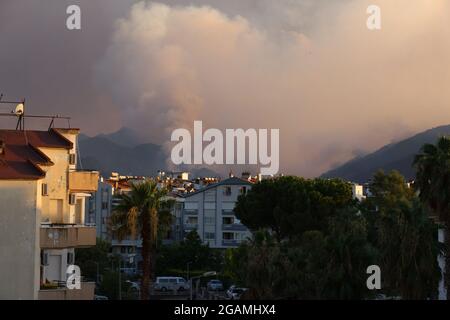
(21, 156)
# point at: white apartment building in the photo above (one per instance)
(99, 209)
(42, 197)
(358, 191)
(210, 212)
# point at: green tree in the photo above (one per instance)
(288, 206)
(433, 177)
(201, 257)
(349, 253)
(94, 259)
(405, 237)
(433, 183)
(141, 210)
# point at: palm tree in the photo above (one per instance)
(433, 182)
(145, 209)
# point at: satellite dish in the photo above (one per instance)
(19, 109)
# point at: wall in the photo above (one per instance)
(57, 179)
(19, 239)
(210, 203)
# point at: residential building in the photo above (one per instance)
(100, 207)
(42, 213)
(358, 191)
(210, 212)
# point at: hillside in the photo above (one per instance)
(127, 153)
(398, 156)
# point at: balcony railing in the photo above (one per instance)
(83, 181)
(192, 212)
(227, 212)
(190, 226)
(61, 292)
(231, 243)
(234, 227)
(67, 236)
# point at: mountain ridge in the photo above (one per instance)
(393, 156)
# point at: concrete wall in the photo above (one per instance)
(19, 239)
(55, 206)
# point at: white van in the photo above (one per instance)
(171, 283)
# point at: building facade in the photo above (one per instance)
(209, 211)
(42, 216)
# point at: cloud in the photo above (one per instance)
(332, 89)
(308, 67)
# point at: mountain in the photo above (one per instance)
(124, 137)
(396, 156)
(125, 152)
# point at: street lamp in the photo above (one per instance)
(206, 274)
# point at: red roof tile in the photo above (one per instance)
(21, 154)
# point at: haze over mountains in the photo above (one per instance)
(398, 156)
(126, 152)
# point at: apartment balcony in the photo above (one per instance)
(67, 236)
(190, 226)
(83, 181)
(234, 227)
(61, 292)
(190, 212)
(230, 243)
(227, 212)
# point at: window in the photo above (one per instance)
(227, 191)
(44, 258)
(44, 189)
(72, 158)
(70, 258)
(192, 220)
(228, 236)
(104, 205)
(243, 190)
(210, 220)
(72, 199)
(228, 220)
(210, 235)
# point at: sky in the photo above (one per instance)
(310, 68)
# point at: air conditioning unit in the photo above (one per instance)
(72, 199)
(44, 258)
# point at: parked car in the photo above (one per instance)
(214, 285)
(97, 297)
(234, 293)
(171, 283)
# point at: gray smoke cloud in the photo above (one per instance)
(310, 68)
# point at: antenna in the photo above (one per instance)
(19, 111)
